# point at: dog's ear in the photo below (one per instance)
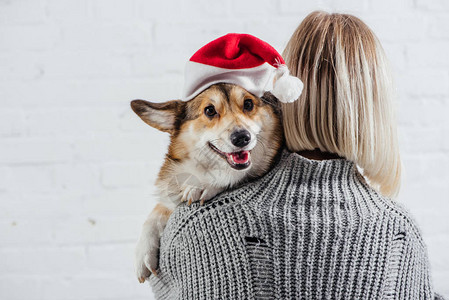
(271, 100)
(163, 116)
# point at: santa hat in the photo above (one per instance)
(244, 60)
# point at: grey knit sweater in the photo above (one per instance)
(306, 230)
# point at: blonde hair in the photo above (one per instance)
(346, 105)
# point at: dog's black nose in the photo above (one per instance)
(240, 138)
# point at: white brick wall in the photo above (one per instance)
(77, 166)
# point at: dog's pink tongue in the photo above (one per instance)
(240, 157)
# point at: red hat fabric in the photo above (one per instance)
(237, 51)
(244, 60)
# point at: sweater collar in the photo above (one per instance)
(293, 165)
(293, 157)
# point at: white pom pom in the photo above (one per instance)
(287, 88)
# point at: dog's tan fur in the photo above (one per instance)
(192, 170)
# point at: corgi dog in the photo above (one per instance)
(219, 139)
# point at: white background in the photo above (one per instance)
(77, 166)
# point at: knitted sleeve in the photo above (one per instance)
(408, 269)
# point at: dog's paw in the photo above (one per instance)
(191, 193)
(146, 257)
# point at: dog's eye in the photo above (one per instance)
(210, 111)
(248, 105)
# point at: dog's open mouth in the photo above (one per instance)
(238, 160)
